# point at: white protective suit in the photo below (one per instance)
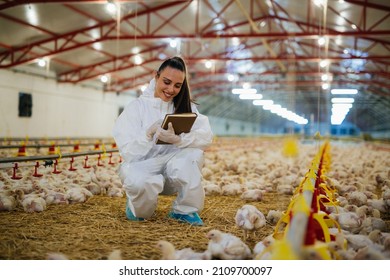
(149, 169)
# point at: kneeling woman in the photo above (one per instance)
(149, 169)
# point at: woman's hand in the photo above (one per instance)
(168, 136)
(153, 129)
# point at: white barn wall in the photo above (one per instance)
(59, 110)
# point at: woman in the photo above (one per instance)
(149, 169)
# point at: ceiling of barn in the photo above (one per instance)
(272, 44)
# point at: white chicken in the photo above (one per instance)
(274, 216)
(233, 189)
(226, 246)
(356, 198)
(78, 195)
(259, 251)
(207, 173)
(56, 256)
(54, 197)
(358, 241)
(369, 253)
(7, 201)
(31, 202)
(378, 204)
(211, 188)
(350, 221)
(170, 253)
(115, 255)
(249, 218)
(114, 191)
(252, 195)
(285, 189)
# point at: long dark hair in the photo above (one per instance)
(182, 101)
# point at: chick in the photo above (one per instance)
(170, 253)
(252, 195)
(57, 256)
(233, 189)
(31, 202)
(211, 188)
(78, 195)
(260, 250)
(369, 253)
(249, 218)
(274, 216)
(358, 241)
(226, 246)
(115, 255)
(7, 201)
(351, 221)
(356, 198)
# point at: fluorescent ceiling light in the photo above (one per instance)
(344, 91)
(262, 102)
(342, 100)
(244, 91)
(342, 105)
(251, 96)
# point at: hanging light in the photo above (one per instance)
(111, 7)
(104, 79)
(42, 62)
(173, 43)
(231, 77)
(324, 63)
(138, 59)
(321, 41)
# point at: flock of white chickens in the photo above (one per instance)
(247, 169)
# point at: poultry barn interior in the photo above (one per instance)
(310, 151)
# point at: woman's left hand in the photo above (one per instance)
(168, 135)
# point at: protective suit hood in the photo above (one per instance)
(157, 102)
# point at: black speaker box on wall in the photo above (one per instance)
(25, 104)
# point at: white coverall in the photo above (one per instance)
(149, 169)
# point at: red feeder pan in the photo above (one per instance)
(22, 151)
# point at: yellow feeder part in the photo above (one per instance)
(290, 148)
(282, 250)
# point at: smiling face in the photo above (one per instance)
(168, 83)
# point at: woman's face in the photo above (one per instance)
(168, 83)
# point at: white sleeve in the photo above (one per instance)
(129, 134)
(200, 135)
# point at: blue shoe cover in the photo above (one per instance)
(130, 216)
(192, 219)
